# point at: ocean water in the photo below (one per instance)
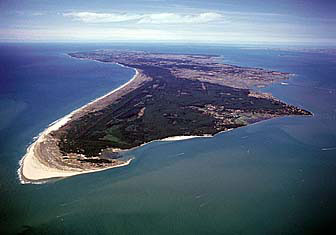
(273, 177)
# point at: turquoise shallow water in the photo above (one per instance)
(274, 177)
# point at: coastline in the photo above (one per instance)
(31, 169)
(38, 164)
(184, 137)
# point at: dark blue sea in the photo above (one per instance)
(273, 177)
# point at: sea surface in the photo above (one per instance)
(273, 177)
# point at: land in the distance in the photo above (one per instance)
(171, 95)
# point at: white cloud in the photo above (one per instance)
(156, 18)
(92, 17)
(38, 14)
(172, 18)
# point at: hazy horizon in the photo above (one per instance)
(285, 22)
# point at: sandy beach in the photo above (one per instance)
(37, 168)
(184, 137)
(44, 159)
(34, 169)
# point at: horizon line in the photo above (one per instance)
(254, 43)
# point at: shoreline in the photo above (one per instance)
(32, 170)
(39, 173)
(37, 169)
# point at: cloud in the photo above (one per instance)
(38, 14)
(92, 17)
(156, 18)
(172, 18)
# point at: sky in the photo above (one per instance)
(199, 21)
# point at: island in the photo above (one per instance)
(170, 97)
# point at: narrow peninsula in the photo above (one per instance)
(171, 96)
